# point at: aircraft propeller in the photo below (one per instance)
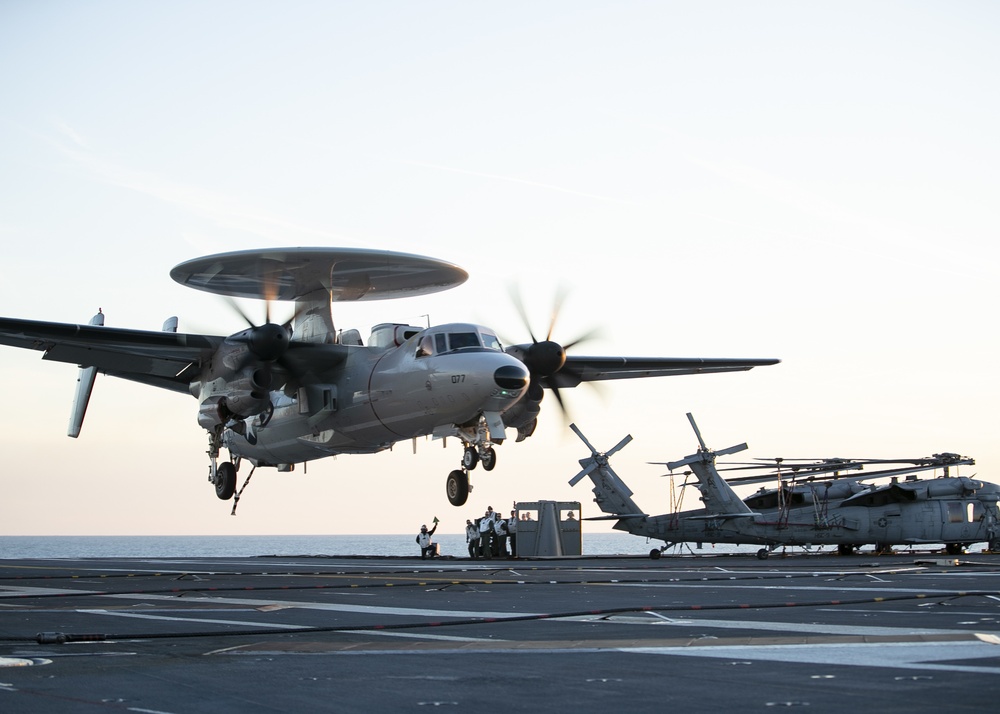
(545, 359)
(268, 342)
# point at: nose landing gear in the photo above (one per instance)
(457, 487)
(479, 439)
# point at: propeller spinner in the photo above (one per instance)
(545, 358)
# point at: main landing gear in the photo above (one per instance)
(225, 480)
(457, 485)
(764, 552)
(222, 475)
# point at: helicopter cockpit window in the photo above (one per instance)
(462, 340)
(425, 348)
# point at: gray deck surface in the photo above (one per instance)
(824, 633)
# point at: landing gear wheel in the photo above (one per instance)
(457, 487)
(763, 553)
(954, 548)
(654, 554)
(845, 549)
(470, 458)
(489, 459)
(225, 480)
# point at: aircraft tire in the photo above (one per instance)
(225, 483)
(489, 459)
(763, 553)
(470, 458)
(457, 487)
(654, 554)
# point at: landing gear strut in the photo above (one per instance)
(478, 450)
(221, 475)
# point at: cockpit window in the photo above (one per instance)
(491, 342)
(441, 343)
(462, 340)
(425, 347)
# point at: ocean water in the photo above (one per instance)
(28, 547)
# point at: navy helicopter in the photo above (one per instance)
(813, 504)
(281, 394)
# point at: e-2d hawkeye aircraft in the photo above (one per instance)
(954, 510)
(277, 395)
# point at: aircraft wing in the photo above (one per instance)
(161, 359)
(169, 360)
(591, 369)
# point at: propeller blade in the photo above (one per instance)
(585, 337)
(556, 309)
(515, 296)
(239, 311)
(562, 404)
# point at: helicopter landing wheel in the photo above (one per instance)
(763, 553)
(654, 554)
(457, 487)
(225, 480)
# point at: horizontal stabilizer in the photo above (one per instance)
(724, 516)
(617, 517)
(705, 456)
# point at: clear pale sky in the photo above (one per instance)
(815, 182)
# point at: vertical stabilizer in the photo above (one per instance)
(313, 319)
(84, 386)
(610, 492)
(718, 496)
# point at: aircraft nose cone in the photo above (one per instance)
(511, 377)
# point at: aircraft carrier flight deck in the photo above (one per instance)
(892, 633)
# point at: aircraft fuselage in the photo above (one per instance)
(381, 396)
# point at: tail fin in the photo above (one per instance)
(611, 493)
(313, 321)
(84, 386)
(718, 496)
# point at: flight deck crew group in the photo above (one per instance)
(488, 537)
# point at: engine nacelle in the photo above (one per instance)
(523, 416)
(239, 398)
